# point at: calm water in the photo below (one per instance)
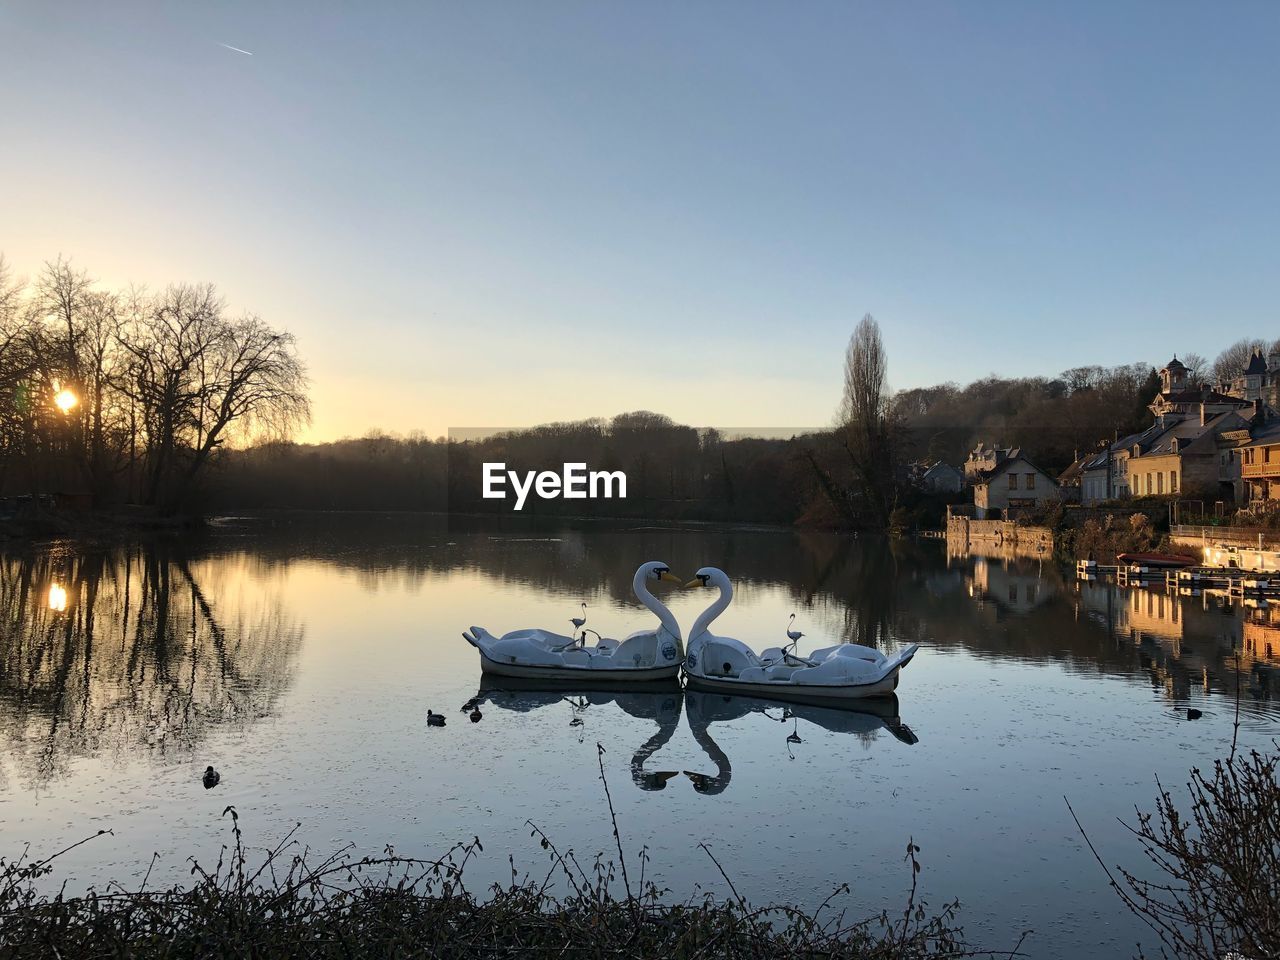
(300, 657)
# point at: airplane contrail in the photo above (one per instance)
(236, 49)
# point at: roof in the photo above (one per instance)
(1142, 440)
(1266, 433)
(981, 452)
(942, 465)
(1175, 364)
(1189, 430)
(1203, 396)
(1073, 472)
(988, 475)
(1145, 438)
(1257, 364)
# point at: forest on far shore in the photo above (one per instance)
(677, 471)
(170, 402)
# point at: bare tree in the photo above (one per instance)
(1197, 369)
(16, 364)
(160, 382)
(1232, 361)
(166, 340)
(1083, 378)
(11, 290)
(865, 374)
(864, 418)
(1210, 874)
(200, 380)
(61, 294)
(252, 384)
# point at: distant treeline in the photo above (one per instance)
(1052, 419)
(167, 400)
(858, 473)
(673, 472)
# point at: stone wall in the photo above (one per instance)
(961, 531)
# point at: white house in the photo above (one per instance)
(1014, 482)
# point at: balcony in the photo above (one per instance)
(1261, 470)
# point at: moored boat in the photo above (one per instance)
(846, 671)
(536, 654)
(1157, 560)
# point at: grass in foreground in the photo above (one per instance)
(394, 906)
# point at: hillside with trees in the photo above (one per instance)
(855, 474)
(169, 401)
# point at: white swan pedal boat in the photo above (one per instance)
(846, 671)
(536, 654)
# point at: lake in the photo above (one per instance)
(299, 656)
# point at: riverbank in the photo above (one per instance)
(394, 906)
(91, 525)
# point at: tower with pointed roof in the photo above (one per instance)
(1173, 378)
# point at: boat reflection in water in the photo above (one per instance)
(662, 703)
(863, 718)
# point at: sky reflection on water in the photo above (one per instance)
(300, 657)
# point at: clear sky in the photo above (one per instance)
(497, 214)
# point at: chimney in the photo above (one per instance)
(1258, 410)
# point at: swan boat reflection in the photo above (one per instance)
(663, 703)
(863, 718)
(658, 701)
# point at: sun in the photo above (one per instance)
(64, 400)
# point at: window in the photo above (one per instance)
(1173, 481)
(1031, 481)
(1159, 483)
(1013, 481)
(1266, 454)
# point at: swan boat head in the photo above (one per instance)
(650, 574)
(655, 570)
(711, 577)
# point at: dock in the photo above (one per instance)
(1245, 585)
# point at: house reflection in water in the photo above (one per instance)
(1013, 577)
(1186, 643)
(1017, 587)
(1260, 651)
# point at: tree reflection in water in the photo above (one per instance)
(119, 650)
